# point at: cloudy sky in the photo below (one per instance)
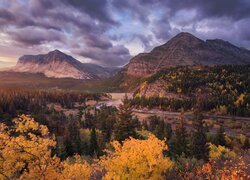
(110, 32)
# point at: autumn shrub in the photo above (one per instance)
(25, 150)
(25, 153)
(224, 170)
(187, 164)
(136, 159)
(78, 169)
(220, 152)
(223, 164)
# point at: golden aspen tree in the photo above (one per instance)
(136, 159)
(25, 153)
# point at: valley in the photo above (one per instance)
(188, 94)
(233, 125)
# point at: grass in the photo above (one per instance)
(117, 83)
(39, 81)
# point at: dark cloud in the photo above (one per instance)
(114, 56)
(102, 29)
(6, 15)
(138, 10)
(235, 9)
(97, 9)
(35, 36)
(41, 7)
(94, 41)
(243, 29)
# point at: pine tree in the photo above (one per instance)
(125, 126)
(180, 141)
(68, 148)
(246, 144)
(106, 117)
(167, 130)
(1, 111)
(73, 141)
(145, 124)
(220, 136)
(199, 146)
(160, 128)
(93, 144)
(61, 150)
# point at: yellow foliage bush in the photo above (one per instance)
(25, 153)
(217, 152)
(77, 170)
(136, 159)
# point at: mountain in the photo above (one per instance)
(59, 65)
(184, 50)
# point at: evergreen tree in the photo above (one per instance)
(145, 124)
(106, 117)
(167, 130)
(125, 126)
(73, 140)
(246, 144)
(68, 147)
(61, 150)
(93, 144)
(180, 141)
(159, 127)
(220, 136)
(199, 146)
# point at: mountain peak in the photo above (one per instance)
(185, 36)
(185, 49)
(56, 51)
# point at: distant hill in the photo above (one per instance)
(185, 50)
(196, 80)
(59, 65)
(221, 88)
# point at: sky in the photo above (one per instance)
(110, 32)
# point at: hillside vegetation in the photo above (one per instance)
(224, 89)
(65, 137)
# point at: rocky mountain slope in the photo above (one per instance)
(59, 65)
(186, 49)
(181, 82)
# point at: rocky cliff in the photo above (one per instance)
(184, 50)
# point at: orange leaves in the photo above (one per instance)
(26, 154)
(138, 159)
(77, 170)
(222, 169)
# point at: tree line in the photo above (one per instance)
(224, 89)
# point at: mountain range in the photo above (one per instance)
(182, 50)
(59, 65)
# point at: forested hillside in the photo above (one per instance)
(223, 89)
(70, 138)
